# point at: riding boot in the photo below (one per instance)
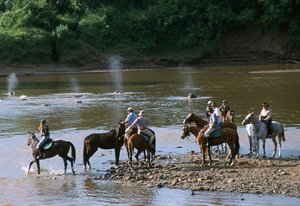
(208, 141)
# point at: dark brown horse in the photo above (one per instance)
(59, 147)
(114, 139)
(137, 141)
(228, 135)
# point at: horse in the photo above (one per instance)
(192, 117)
(114, 139)
(138, 141)
(59, 147)
(260, 131)
(228, 135)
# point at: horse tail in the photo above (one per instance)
(73, 152)
(282, 133)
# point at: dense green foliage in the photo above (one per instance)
(72, 31)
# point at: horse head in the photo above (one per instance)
(121, 130)
(185, 131)
(32, 139)
(248, 119)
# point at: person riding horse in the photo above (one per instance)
(213, 124)
(131, 117)
(45, 135)
(266, 117)
(142, 124)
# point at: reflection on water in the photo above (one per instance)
(163, 95)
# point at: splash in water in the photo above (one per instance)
(115, 66)
(75, 85)
(12, 83)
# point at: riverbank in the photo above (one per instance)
(183, 171)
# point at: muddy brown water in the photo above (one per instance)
(77, 104)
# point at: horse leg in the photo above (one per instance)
(148, 158)
(72, 166)
(87, 158)
(264, 148)
(65, 164)
(250, 143)
(137, 155)
(209, 155)
(33, 161)
(233, 154)
(117, 154)
(275, 146)
(38, 165)
(279, 147)
(202, 148)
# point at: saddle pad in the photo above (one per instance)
(146, 137)
(47, 145)
(216, 133)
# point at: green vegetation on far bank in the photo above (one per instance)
(81, 32)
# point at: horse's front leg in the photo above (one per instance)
(117, 154)
(275, 146)
(33, 161)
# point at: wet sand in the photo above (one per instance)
(183, 171)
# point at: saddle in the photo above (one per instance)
(47, 144)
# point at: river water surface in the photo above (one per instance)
(78, 104)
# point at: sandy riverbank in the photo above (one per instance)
(248, 175)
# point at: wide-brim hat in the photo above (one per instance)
(209, 102)
(224, 101)
(141, 113)
(129, 109)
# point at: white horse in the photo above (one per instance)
(259, 130)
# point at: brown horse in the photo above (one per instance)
(59, 147)
(228, 135)
(201, 122)
(137, 141)
(114, 139)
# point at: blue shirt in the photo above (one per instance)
(130, 118)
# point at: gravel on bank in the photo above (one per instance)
(183, 171)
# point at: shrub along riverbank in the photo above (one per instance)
(85, 32)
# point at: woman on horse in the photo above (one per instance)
(266, 117)
(131, 117)
(142, 125)
(45, 135)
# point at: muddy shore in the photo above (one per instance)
(248, 175)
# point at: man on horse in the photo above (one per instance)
(207, 110)
(45, 135)
(266, 117)
(131, 117)
(213, 124)
(142, 125)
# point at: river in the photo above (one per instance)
(80, 103)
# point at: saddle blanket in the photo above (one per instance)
(48, 144)
(145, 136)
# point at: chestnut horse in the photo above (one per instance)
(201, 122)
(114, 139)
(228, 135)
(59, 147)
(137, 141)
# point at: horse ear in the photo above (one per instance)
(29, 132)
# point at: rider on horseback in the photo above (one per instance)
(142, 124)
(266, 117)
(131, 117)
(45, 135)
(213, 124)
